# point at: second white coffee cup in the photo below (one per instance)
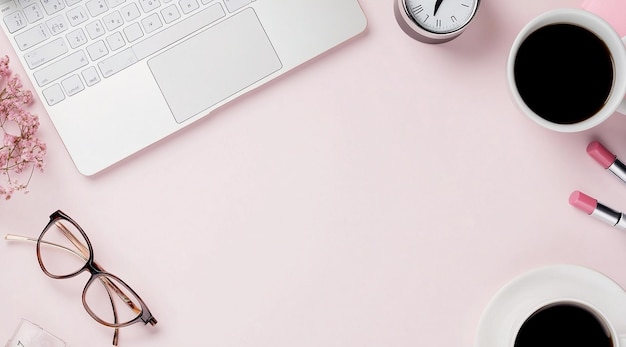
(567, 70)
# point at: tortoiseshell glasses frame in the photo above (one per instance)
(116, 289)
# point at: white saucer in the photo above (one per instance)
(508, 309)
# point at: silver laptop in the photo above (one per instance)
(118, 75)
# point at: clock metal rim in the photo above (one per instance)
(418, 32)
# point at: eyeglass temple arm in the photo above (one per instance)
(116, 334)
(13, 237)
(105, 281)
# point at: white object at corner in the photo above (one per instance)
(29, 334)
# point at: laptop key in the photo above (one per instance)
(116, 63)
(133, 32)
(151, 23)
(46, 53)
(14, 21)
(53, 6)
(97, 50)
(76, 38)
(77, 15)
(170, 14)
(95, 29)
(130, 12)
(57, 24)
(72, 85)
(91, 76)
(7, 7)
(32, 36)
(113, 20)
(96, 7)
(60, 68)
(33, 12)
(188, 5)
(53, 94)
(149, 5)
(115, 41)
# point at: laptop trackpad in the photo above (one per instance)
(213, 65)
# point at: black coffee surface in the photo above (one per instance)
(563, 326)
(564, 73)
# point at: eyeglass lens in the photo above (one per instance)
(111, 301)
(63, 249)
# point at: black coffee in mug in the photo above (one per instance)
(563, 325)
(564, 73)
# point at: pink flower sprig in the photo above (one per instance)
(21, 152)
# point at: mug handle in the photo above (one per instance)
(622, 107)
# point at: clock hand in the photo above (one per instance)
(437, 4)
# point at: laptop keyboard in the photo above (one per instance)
(71, 45)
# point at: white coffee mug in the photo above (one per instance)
(615, 47)
(528, 293)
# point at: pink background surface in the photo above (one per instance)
(378, 196)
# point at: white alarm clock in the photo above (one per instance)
(434, 21)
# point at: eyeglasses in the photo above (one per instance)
(64, 251)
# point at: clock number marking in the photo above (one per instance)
(466, 5)
(418, 9)
(427, 16)
(453, 19)
(438, 23)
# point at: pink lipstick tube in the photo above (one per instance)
(607, 159)
(599, 211)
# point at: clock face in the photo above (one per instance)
(441, 16)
